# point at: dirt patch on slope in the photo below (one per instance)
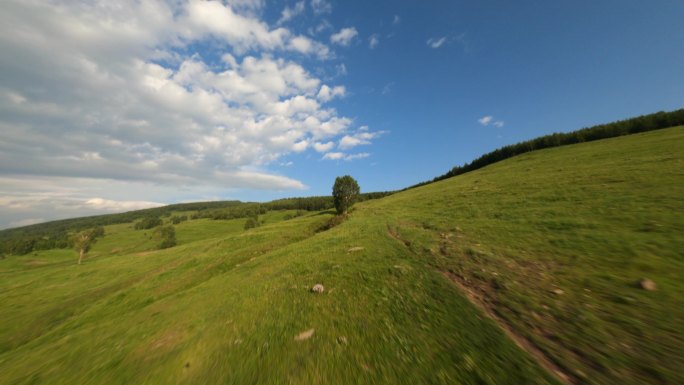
(542, 359)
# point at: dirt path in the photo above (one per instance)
(542, 359)
(479, 301)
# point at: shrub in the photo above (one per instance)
(168, 236)
(251, 223)
(148, 223)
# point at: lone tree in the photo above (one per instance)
(345, 192)
(85, 239)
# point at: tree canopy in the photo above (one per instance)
(345, 192)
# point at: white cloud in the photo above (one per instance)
(323, 147)
(373, 41)
(333, 155)
(345, 157)
(307, 46)
(356, 156)
(131, 101)
(321, 6)
(435, 42)
(200, 19)
(361, 137)
(345, 36)
(326, 93)
(350, 141)
(291, 12)
(396, 20)
(485, 120)
(112, 205)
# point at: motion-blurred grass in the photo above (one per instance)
(224, 306)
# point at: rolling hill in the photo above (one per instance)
(523, 271)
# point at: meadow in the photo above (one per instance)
(524, 271)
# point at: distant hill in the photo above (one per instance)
(56, 234)
(644, 123)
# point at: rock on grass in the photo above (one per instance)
(305, 335)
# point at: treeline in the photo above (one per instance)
(656, 121)
(56, 234)
(246, 210)
(252, 210)
(318, 203)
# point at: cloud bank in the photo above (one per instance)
(176, 93)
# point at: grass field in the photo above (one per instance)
(550, 244)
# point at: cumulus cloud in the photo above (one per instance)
(323, 147)
(487, 120)
(361, 137)
(333, 155)
(326, 93)
(131, 100)
(345, 36)
(120, 114)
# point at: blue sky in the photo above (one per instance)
(108, 108)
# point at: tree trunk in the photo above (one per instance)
(80, 256)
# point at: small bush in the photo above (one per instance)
(148, 223)
(176, 219)
(168, 236)
(251, 223)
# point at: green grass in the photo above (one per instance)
(225, 305)
(590, 220)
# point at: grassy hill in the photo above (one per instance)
(524, 271)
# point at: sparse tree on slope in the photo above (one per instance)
(345, 192)
(85, 239)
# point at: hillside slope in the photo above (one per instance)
(550, 243)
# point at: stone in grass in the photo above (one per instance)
(353, 249)
(648, 285)
(318, 288)
(305, 335)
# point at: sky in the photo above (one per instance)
(115, 106)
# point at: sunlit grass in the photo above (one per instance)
(225, 305)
